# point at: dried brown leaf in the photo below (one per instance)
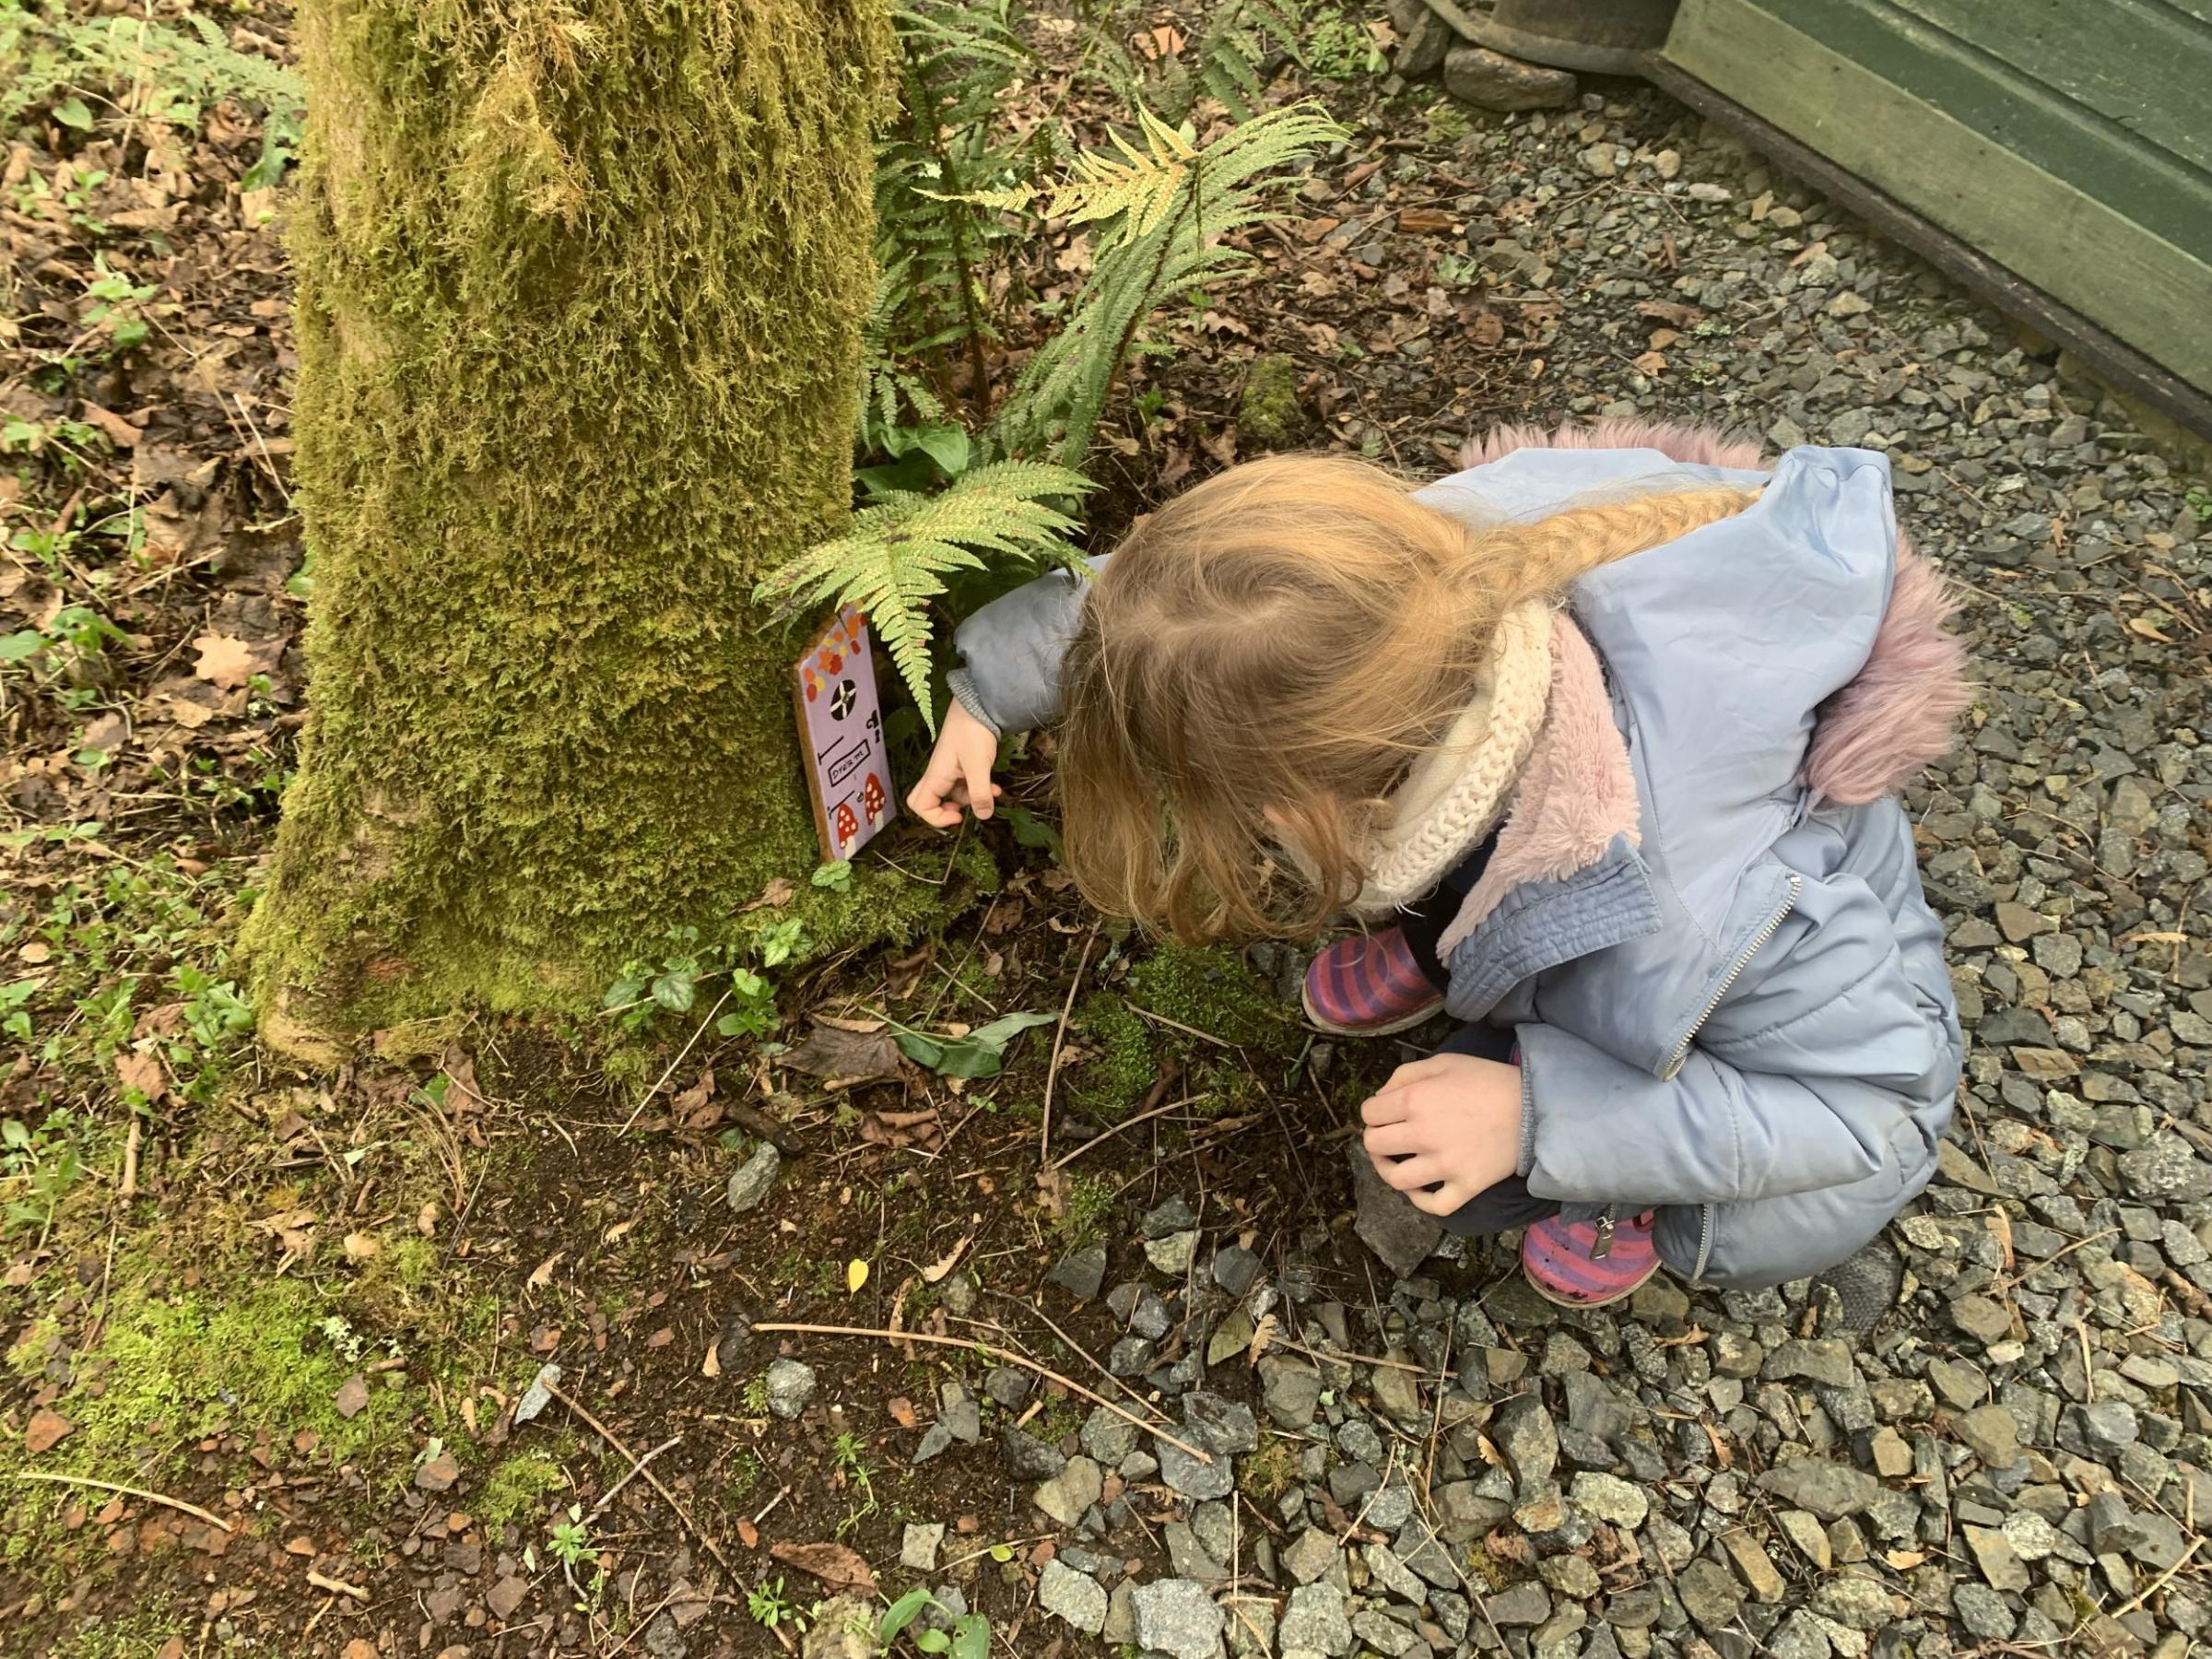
(836, 1565)
(224, 662)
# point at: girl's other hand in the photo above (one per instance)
(959, 773)
(1452, 1124)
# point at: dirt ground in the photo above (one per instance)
(271, 1338)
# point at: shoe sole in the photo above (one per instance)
(1557, 1300)
(1389, 1028)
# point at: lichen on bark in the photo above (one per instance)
(581, 290)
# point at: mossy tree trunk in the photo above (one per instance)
(580, 286)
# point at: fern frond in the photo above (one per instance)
(895, 557)
(1161, 235)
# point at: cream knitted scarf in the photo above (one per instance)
(1457, 793)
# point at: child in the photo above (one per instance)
(1607, 727)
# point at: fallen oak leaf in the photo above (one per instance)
(142, 1073)
(224, 662)
(948, 1261)
(844, 1058)
(835, 1565)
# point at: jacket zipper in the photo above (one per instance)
(1681, 1054)
(1696, 1275)
(1602, 1246)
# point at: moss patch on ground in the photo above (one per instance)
(1268, 413)
(1209, 991)
(517, 1490)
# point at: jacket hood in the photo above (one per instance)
(1789, 654)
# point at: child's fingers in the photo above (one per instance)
(930, 797)
(1450, 1196)
(1407, 1174)
(1393, 1140)
(1386, 1105)
(976, 774)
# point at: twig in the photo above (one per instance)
(1073, 1346)
(647, 1099)
(179, 1504)
(682, 1513)
(635, 1469)
(1177, 1025)
(2033, 1268)
(2158, 1583)
(1336, 1359)
(1004, 1356)
(1052, 1074)
(336, 1586)
(128, 1186)
(1131, 1123)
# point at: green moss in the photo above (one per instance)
(1211, 990)
(1124, 1061)
(1268, 413)
(515, 1491)
(1089, 1205)
(138, 1634)
(1268, 1473)
(579, 315)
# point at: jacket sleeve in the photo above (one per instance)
(1008, 675)
(1816, 1069)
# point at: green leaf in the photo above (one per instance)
(900, 1614)
(780, 943)
(70, 113)
(980, 1054)
(931, 1641)
(1029, 830)
(949, 446)
(836, 878)
(674, 991)
(22, 645)
(972, 1637)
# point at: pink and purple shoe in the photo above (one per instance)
(1368, 985)
(1589, 1263)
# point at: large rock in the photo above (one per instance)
(1314, 1622)
(750, 1182)
(1386, 1221)
(1177, 1616)
(1830, 1491)
(1074, 1596)
(1423, 37)
(1493, 81)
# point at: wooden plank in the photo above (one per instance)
(2099, 155)
(2084, 252)
(2147, 68)
(2118, 363)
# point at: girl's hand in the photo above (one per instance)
(1453, 1122)
(959, 773)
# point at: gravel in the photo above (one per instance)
(790, 1386)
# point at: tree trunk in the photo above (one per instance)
(581, 287)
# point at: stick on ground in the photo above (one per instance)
(638, 1464)
(178, 1504)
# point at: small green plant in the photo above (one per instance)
(1340, 47)
(968, 1637)
(37, 1166)
(836, 878)
(570, 1543)
(648, 987)
(766, 1602)
(754, 1395)
(117, 305)
(848, 1456)
(2199, 502)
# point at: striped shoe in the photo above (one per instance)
(1588, 1263)
(1368, 985)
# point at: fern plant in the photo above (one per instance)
(894, 559)
(1166, 208)
(1226, 61)
(958, 59)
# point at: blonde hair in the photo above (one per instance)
(1264, 659)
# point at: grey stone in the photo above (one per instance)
(1081, 1273)
(1855, 1602)
(1423, 38)
(1494, 81)
(1235, 1268)
(1609, 1499)
(1384, 1569)
(1397, 1392)
(1983, 1320)
(1984, 1612)
(1529, 1439)
(918, 1546)
(1992, 1434)
(1149, 1318)
(1385, 1220)
(1178, 1617)
(1073, 1597)
(1310, 1554)
(1214, 1423)
(1290, 1391)
(1173, 1255)
(1108, 1437)
(1521, 1603)
(1172, 1216)
(2166, 1170)
(790, 1387)
(750, 1180)
(1828, 1362)
(1315, 1622)
(1830, 1491)
(1999, 1563)
(1006, 1386)
(1187, 1475)
(1069, 1494)
(1709, 1593)
(2107, 1426)
(1029, 1458)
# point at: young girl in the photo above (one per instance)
(1597, 740)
